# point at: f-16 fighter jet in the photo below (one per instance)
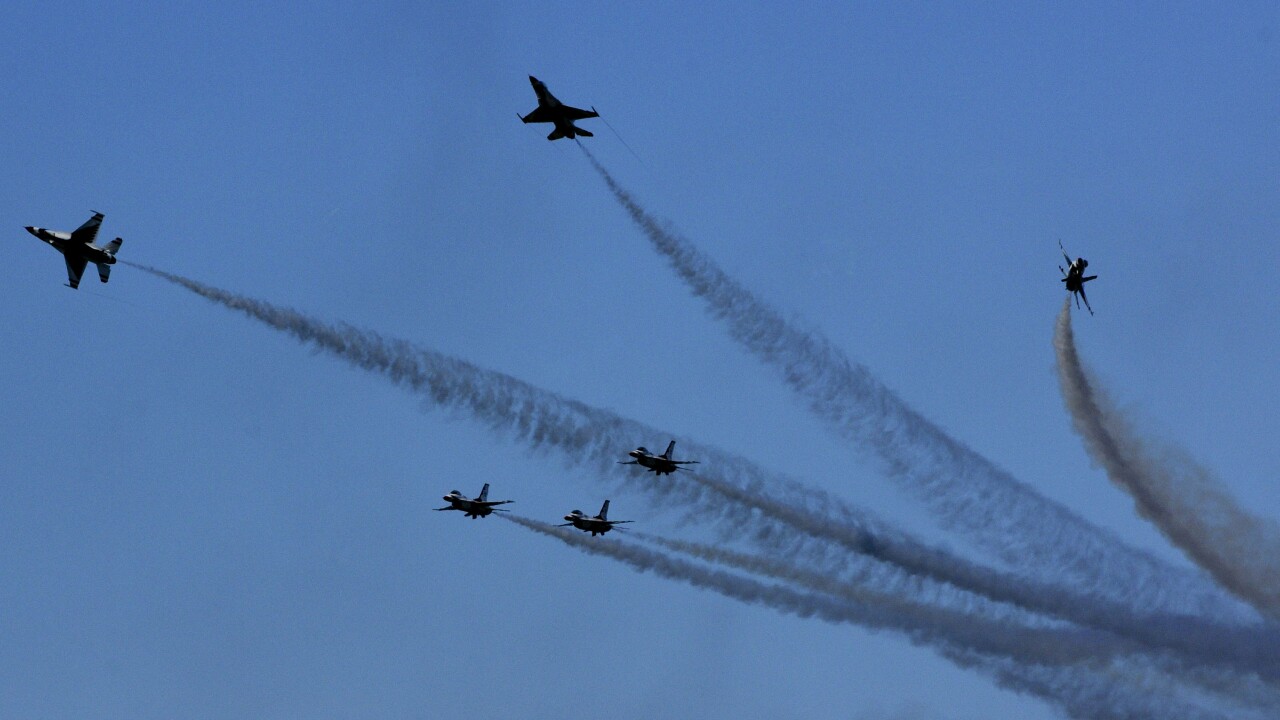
(598, 525)
(553, 111)
(1075, 278)
(482, 506)
(661, 464)
(78, 250)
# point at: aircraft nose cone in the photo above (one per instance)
(31, 229)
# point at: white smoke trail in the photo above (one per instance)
(1181, 498)
(1224, 684)
(590, 437)
(1082, 672)
(966, 491)
(1249, 648)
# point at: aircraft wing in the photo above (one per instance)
(539, 115)
(87, 232)
(75, 268)
(574, 113)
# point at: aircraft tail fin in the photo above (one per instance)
(484, 493)
(670, 448)
(104, 272)
(113, 247)
(604, 511)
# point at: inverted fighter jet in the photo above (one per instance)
(660, 464)
(482, 506)
(78, 250)
(598, 525)
(1075, 278)
(553, 111)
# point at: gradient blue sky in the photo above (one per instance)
(202, 519)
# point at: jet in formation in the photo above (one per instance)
(553, 111)
(660, 464)
(78, 250)
(598, 525)
(482, 506)
(1075, 278)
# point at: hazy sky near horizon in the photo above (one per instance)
(203, 518)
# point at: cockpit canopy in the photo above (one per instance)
(642, 450)
(454, 492)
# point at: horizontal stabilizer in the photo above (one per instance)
(584, 133)
(104, 272)
(1087, 279)
(555, 134)
(113, 247)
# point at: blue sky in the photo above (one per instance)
(200, 516)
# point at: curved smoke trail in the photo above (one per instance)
(1181, 498)
(966, 491)
(812, 529)
(1086, 674)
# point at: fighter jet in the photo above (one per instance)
(1075, 278)
(482, 506)
(598, 525)
(553, 111)
(78, 250)
(661, 464)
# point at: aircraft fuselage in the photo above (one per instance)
(470, 508)
(552, 106)
(62, 242)
(545, 98)
(657, 464)
(551, 110)
(595, 526)
(1075, 274)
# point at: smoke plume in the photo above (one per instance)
(1089, 675)
(810, 526)
(1181, 498)
(967, 492)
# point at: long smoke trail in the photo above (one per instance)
(590, 437)
(1181, 498)
(1069, 669)
(1225, 684)
(966, 491)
